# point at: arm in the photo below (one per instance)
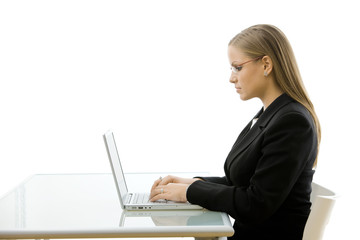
(286, 147)
(175, 188)
(218, 180)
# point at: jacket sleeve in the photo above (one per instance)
(218, 180)
(287, 146)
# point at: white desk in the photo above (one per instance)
(87, 206)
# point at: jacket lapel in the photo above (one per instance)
(249, 135)
(246, 131)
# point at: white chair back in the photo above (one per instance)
(323, 201)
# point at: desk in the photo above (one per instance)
(87, 206)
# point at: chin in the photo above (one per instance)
(244, 97)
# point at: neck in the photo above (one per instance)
(271, 96)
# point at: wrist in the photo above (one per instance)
(186, 191)
(197, 179)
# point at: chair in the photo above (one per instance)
(323, 201)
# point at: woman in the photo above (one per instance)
(269, 170)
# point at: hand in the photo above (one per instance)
(173, 179)
(172, 191)
(171, 188)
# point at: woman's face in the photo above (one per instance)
(249, 81)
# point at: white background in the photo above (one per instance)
(156, 72)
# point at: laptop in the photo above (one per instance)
(135, 201)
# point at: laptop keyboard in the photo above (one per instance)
(142, 198)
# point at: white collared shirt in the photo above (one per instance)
(253, 122)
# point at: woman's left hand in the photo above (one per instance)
(172, 191)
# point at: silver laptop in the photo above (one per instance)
(135, 201)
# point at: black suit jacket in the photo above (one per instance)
(268, 175)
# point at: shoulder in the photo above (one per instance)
(292, 124)
(285, 110)
(294, 112)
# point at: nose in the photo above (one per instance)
(233, 78)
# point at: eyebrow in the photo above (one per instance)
(232, 64)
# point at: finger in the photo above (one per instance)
(153, 187)
(157, 191)
(156, 183)
(158, 197)
(155, 198)
(166, 180)
(153, 193)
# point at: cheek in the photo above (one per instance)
(244, 78)
(250, 77)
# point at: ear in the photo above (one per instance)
(268, 65)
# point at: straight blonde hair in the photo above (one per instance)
(268, 40)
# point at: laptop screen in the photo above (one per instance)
(116, 165)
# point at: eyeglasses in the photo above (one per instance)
(236, 69)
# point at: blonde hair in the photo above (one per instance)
(261, 40)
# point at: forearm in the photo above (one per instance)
(240, 203)
(212, 196)
(218, 180)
